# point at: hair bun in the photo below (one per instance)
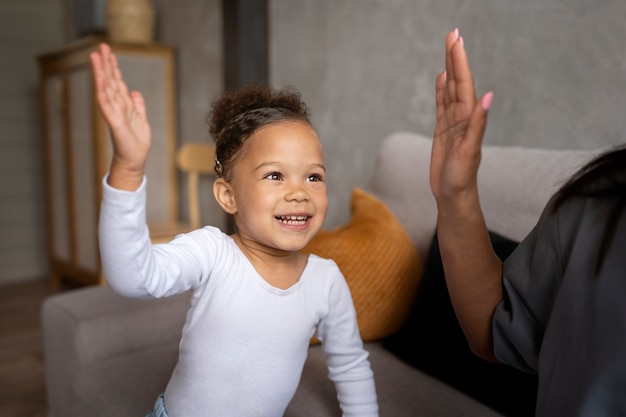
(251, 97)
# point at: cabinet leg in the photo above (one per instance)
(55, 281)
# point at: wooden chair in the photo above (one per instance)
(193, 160)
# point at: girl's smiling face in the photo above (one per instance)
(278, 187)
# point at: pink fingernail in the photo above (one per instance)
(456, 33)
(486, 101)
(445, 75)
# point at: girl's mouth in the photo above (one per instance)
(293, 220)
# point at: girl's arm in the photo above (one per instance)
(131, 265)
(473, 271)
(348, 364)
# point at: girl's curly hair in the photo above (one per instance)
(236, 115)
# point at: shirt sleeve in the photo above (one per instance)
(132, 266)
(532, 275)
(348, 364)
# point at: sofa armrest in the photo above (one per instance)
(93, 324)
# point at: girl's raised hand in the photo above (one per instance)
(461, 122)
(125, 113)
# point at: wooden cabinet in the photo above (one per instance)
(78, 150)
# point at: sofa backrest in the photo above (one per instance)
(515, 183)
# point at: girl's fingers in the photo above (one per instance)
(98, 71)
(105, 53)
(119, 80)
(114, 93)
(103, 72)
(102, 84)
(139, 103)
(108, 71)
(111, 103)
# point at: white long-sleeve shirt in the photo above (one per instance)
(244, 342)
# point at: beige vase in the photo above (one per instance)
(130, 20)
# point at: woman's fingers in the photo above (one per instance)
(451, 39)
(464, 93)
(459, 114)
(460, 83)
(440, 96)
(478, 122)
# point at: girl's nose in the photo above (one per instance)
(297, 193)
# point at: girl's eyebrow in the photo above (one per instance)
(273, 163)
(266, 164)
(321, 166)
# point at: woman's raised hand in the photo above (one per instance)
(125, 113)
(473, 271)
(461, 122)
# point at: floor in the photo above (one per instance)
(22, 386)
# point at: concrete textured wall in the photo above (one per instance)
(29, 28)
(367, 68)
(194, 27)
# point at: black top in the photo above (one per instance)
(561, 320)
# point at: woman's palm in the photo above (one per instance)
(460, 125)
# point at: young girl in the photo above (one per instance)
(256, 299)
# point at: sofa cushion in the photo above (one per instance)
(402, 390)
(432, 340)
(511, 180)
(123, 386)
(380, 264)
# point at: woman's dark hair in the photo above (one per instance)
(602, 178)
(236, 115)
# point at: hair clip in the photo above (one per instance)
(219, 169)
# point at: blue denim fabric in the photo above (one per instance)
(159, 408)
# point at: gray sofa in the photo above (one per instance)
(109, 356)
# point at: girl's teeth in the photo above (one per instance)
(293, 219)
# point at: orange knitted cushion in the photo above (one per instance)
(379, 261)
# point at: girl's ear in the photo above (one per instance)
(224, 195)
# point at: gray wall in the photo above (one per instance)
(367, 68)
(29, 27)
(194, 27)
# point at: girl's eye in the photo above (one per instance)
(314, 178)
(274, 176)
